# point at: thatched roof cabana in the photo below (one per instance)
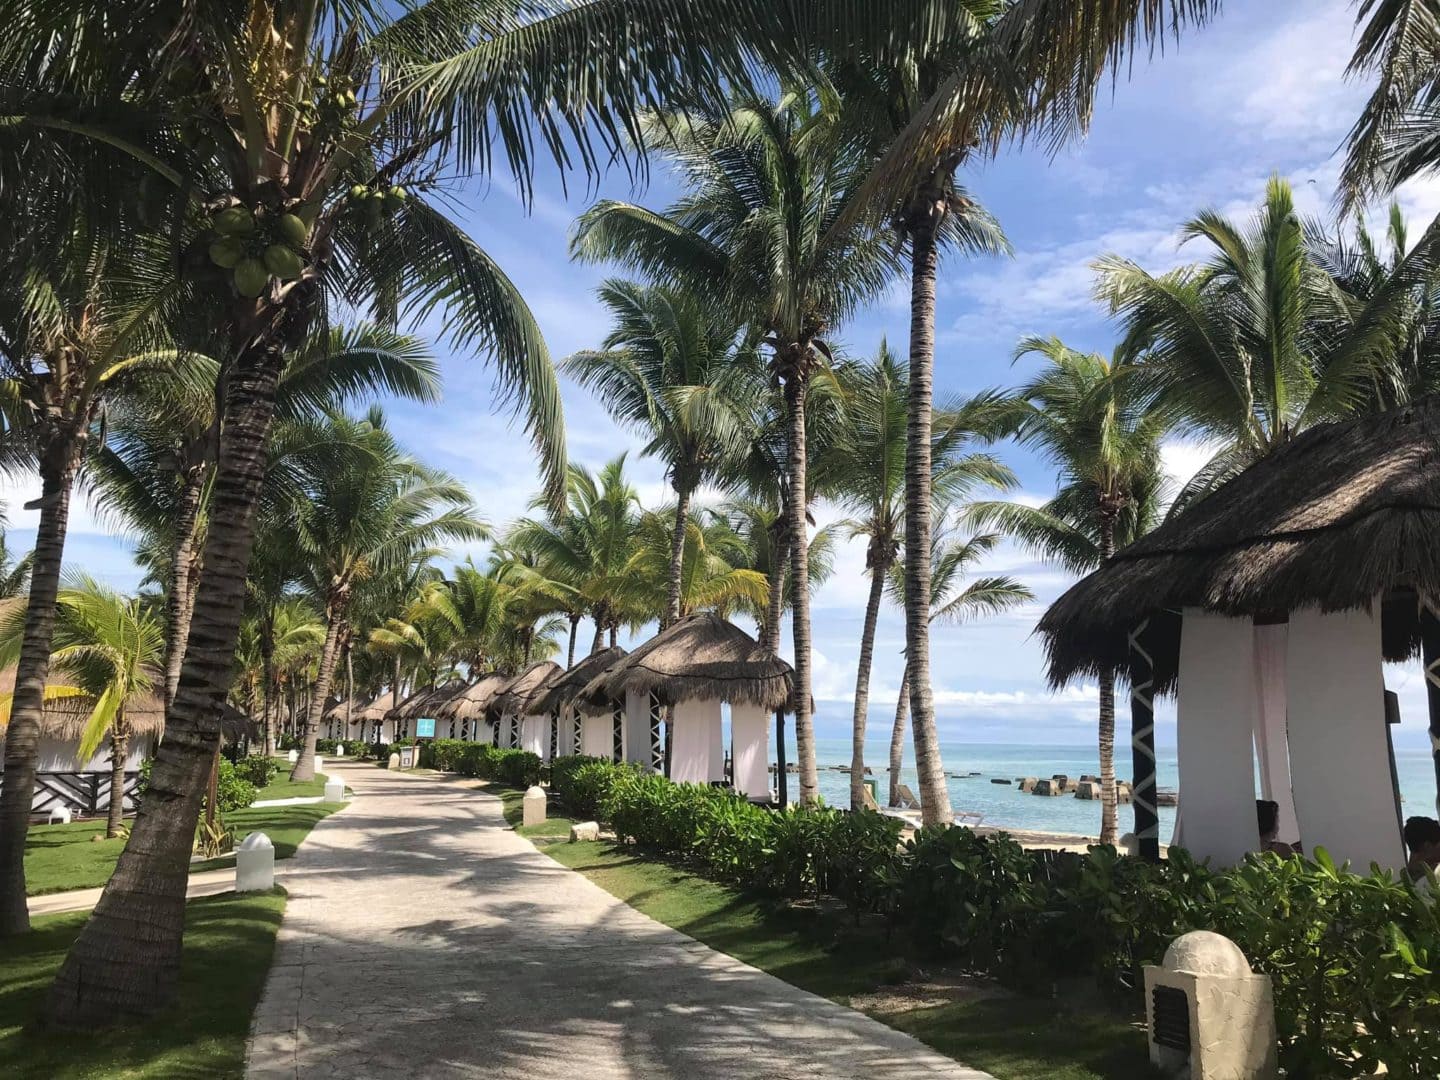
(512, 701)
(1345, 513)
(699, 658)
(357, 704)
(425, 701)
(472, 702)
(378, 709)
(563, 688)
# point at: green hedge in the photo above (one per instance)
(515, 768)
(1355, 960)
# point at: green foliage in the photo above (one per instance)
(257, 770)
(515, 768)
(232, 790)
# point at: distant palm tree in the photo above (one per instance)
(680, 375)
(865, 467)
(1095, 420)
(108, 648)
(764, 224)
(713, 576)
(955, 597)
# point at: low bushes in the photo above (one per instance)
(515, 768)
(1355, 960)
(257, 770)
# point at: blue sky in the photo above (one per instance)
(1260, 91)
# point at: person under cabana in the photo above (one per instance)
(1422, 841)
(1267, 814)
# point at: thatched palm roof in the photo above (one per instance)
(378, 709)
(472, 702)
(701, 657)
(423, 702)
(512, 701)
(561, 689)
(1345, 513)
(337, 711)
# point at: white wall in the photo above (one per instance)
(1216, 715)
(1339, 754)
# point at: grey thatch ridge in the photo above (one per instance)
(423, 702)
(700, 658)
(512, 701)
(473, 702)
(378, 709)
(562, 689)
(1343, 514)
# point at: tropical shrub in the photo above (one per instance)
(257, 770)
(232, 791)
(515, 768)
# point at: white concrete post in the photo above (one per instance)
(293, 756)
(1208, 1015)
(334, 791)
(255, 864)
(533, 806)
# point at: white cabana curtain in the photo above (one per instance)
(1272, 742)
(595, 735)
(695, 741)
(1339, 750)
(750, 738)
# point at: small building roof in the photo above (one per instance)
(425, 701)
(1345, 513)
(378, 709)
(472, 702)
(561, 689)
(701, 657)
(514, 698)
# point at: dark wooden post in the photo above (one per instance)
(1430, 655)
(782, 781)
(1142, 742)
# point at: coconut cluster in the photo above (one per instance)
(255, 248)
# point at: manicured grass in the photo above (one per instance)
(1014, 1038)
(229, 941)
(282, 787)
(59, 858)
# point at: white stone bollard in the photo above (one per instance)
(533, 806)
(1209, 1016)
(394, 762)
(335, 791)
(293, 756)
(255, 864)
(60, 814)
(340, 749)
(584, 830)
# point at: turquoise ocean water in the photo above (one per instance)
(1007, 806)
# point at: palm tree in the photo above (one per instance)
(1095, 420)
(713, 576)
(768, 185)
(956, 598)
(1257, 343)
(675, 371)
(761, 527)
(381, 510)
(867, 465)
(109, 648)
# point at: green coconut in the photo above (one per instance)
(236, 221)
(396, 196)
(292, 229)
(227, 252)
(359, 191)
(282, 262)
(251, 277)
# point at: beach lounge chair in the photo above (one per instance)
(870, 803)
(908, 801)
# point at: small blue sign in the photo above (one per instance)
(425, 728)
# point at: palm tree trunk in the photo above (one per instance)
(599, 642)
(862, 688)
(677, 555)
(272, 706)
(574, 625)
(934, 797)
(779, 556)
(126, 961)
(22, 737)
(349, 684)
(897, 737)
(329, 657)
(614, 634)
(795, 393)
(179, 605)
(1109, 828)
(119, 747)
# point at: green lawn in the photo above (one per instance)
(229, 941)
(1012, 1037)
(63, 857)
(282, 787)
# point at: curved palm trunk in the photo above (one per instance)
(119, 747)
(180, 604)
(349, 683)
(934, 797)
(677, 556)
(22, 737)
(574, 625)
(862, 688)
(126, 961)
(779, 556)
(796, 389)
(897, 737)
(1109, 828)
(320, 693)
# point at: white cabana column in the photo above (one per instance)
(1272, 740)
(750, 737)
(1217, 711)
(696, 742)
(1339, 753)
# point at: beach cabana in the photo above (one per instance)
(463, 715)
(519, 728)
(423, 703)
(689, 671)
(1268, 609)
(341, 716)
(373, 719)
(592, 730)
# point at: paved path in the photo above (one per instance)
(423, 938)
(205, 883)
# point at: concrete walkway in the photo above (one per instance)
(205, 883)
(424, 938)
